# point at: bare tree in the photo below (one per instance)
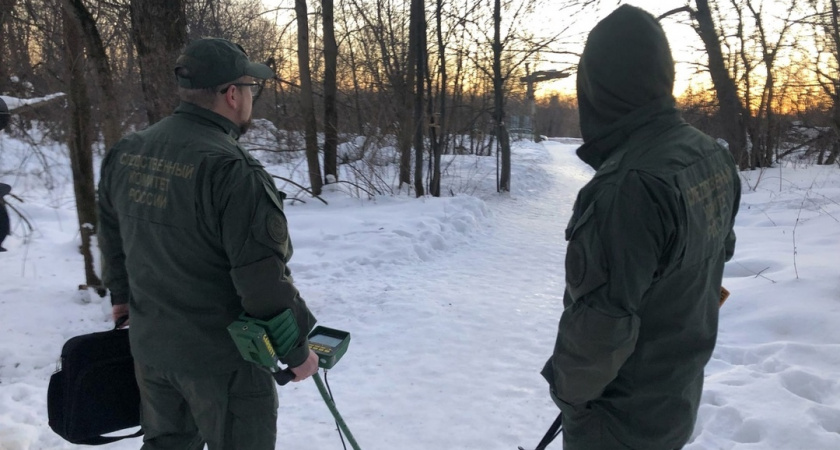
(354, 67)
(111, 118)
(389, 60)
(80, 143)
(6, 8)
(330, 92)
(417, 42)
(306, 102)
(437, 130)
(499, 100)
(159, 32)
(730, 108)
(827, 66)
(765, 127)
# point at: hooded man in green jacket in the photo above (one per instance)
(192, 234)
(647, 243)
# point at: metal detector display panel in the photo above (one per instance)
(329, 344)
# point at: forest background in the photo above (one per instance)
(404, 82)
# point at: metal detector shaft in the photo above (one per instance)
(551, 434)
(331, 405)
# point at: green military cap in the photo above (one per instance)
(209, 62)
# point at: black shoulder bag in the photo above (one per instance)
(94, 391)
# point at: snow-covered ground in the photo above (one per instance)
(453, 304)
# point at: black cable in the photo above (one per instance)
(337, 427)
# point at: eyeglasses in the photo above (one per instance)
(255, 87)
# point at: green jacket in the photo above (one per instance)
(192, 233)
(647, 243)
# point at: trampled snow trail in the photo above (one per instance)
(453, 305)
(446, 354)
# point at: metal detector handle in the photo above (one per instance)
(283, 377)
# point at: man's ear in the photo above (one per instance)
(232, 97)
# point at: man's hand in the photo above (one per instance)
(307, 369)
(118, 311)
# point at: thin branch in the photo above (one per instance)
(357, 186)
(686, 8)
(300, 186)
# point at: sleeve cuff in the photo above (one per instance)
(297, 355)
(118, 298)
(567, 408)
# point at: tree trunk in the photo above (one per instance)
(731, 110)
(6, 7)
(330, 91)
(499, 102)
(437, 132)
(403, 83)
(403, 118)
(832, 155)
(306, 102)
(159, 32)
(80, 143)
(386, 31)
(834, 30)
(110, 115)
(417, 38)
(835, 116)
(357, 90)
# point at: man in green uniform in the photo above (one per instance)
(647, 242)
(192, 234)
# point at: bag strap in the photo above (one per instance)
(99, 440)
(120, 321)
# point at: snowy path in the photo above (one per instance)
(446, 353)
(460, 339)
(453, 305)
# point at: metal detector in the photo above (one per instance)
(328, 343)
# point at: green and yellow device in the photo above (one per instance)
(329, 344)
(255, 345)
(252, 341)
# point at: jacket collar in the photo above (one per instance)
(191, 111)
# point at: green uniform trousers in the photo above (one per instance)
(228, 411)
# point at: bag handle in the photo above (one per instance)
(120, 321)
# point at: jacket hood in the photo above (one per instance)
(626, 65)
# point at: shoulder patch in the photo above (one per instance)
(277, 229)
(586, 268)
